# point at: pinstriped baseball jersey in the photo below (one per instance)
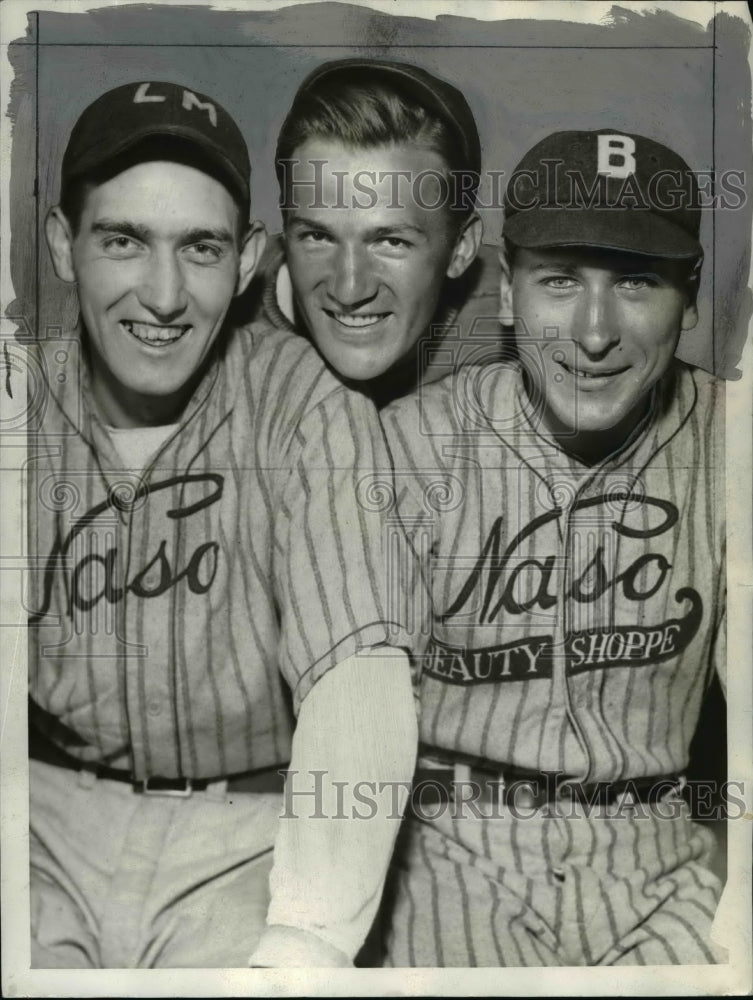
(574, 611)
(171, 606)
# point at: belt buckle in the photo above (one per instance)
(676, 792)
(565, 790)
(461, 774)
(175, 793)
(490, 788)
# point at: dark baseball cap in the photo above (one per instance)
(124, 117)
(436, 95)
(605, 189)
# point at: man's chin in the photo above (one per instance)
(576, 419)
(152, 392)
(354, 365)
(358, 373)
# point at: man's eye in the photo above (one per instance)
(314, 236)
(393, 242)
(637, 282)
(559, 282)
(203, 253)
(120, 245)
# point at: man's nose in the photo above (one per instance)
(163, 288)
(597, 329)
(353, 280)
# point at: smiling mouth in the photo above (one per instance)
(601, 373)
(155, 334)
(356, 321)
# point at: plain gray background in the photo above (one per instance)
(654, 74)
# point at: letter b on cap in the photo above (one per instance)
(616, 155)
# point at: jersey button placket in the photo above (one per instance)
(139, 617)
(160, 609)
(571, 568)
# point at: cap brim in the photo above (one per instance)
(630, 230)
(98, 158)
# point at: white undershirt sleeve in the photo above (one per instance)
(354, 752)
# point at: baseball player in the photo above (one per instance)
(564, 507)
(200, 565)
(378, 164)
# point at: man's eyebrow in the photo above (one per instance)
(138, 231)
(120, 227)
(202, 234)
(379, 232)
(304, 222)
(556, 265)
(401, 227)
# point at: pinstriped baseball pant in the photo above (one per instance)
(632, 888)
(124, 880)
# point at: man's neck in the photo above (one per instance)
(127, 409)
(593, 447)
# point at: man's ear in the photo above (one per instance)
(506, 310)
(466, 246)
(690, 312)
(59, 235)
(251, 250)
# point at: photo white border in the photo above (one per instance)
(733, 925)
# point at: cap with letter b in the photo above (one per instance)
(603, 188)
(121, 119)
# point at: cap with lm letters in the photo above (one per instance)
(122, 118)
(605, 189)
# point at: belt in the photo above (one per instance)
(41, 748)
(446, 781)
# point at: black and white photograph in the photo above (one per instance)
(376, 427)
